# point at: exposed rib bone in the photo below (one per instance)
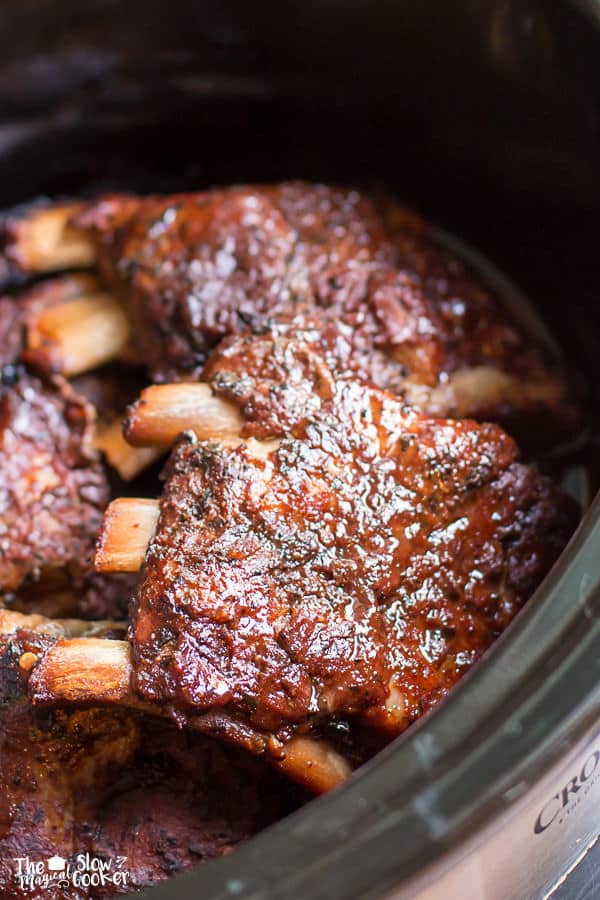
(80, 334)
(313, 763)
(42, 240)
(127, 529)
(83, 670)
(127, 460)
(96, 671)
(482, 386)
(165, 410)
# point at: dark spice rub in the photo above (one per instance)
(194, 268)
(357, 570)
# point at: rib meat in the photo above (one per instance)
(356, 571)
(52, 489)
(115, 784)
(194, 268)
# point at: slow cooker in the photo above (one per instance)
(484, 115)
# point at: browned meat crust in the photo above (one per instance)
(359, 569)
(194, 268)
(52, 487)
(52, 490)
(197, 267)
(113, 783)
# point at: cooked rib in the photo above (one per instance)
(52, 488)
(243, 252)
(370, 559)
(84, 670)
(112, 782)
(163, 411)
(53, 491)
(284, 370)
(356, 570)
(96, 671)
(194, 268)
(313, 763)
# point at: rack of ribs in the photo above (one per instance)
(351, 568)
(338, 538)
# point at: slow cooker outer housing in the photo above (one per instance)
(484, 114)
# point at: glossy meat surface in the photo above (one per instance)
(357, 570)
(195, 268)
(52, 488)
(115, 784)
